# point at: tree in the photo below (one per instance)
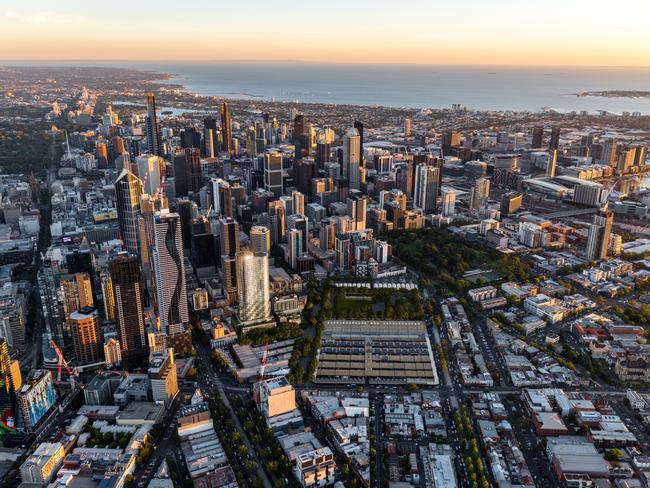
(191, 374)
(411, 387)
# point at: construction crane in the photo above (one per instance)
(72, 374)
(264, 356)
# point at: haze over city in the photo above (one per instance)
(552, 32)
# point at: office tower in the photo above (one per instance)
(169, 269)
(510, 203)
(128, 189)
(626, 158)
(253, 286)
(327, 234)
(304, 171)
(149, 172)
(210, 143)
(117, 147)
(217, 185)
(323, 150)
(187, 211)
(383, 164)
(154, 138)
(300, 125)
(273, 172)
(301, 223)
(187, 171)
(302, 146)
(102, 154)
(203, 254)
(342, 248)
(640, 154)
(450, 140)
(229, 246)
(407, 128)
(359, 126)
(538, 137)
(599, 234)
(76, 293)
(226, 128)
(610, 152)
(404, 177)
(357, 203)
(551, 163)
(426, 187)
(190, 138)
(260, 239)
(162, 376)
(277, 221)
(554, 142)
(287, 204)
(229, 236)
(352, 158)
(107, 296)
(294, 243)
(480, 194)
(84, 328)
(448, 203)
(128, 299)
(298, 202)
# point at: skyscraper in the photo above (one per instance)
(260, 239)
(190, 138)
(550, 165)
(169, 269)
(298, 201)
(76, 292)
(273, 172)
(128, 295)
(599, 233)
(229, 244)
(359, 126)
(210, 137)
(187, 171)
(277, 221)
(253, 286)
(407, 128)
(538, 137)
(226, 128)
(426, 187)
(352, 158)
(154, 138)
(357, 203)
(84, 328)
(149, 172)
(479, 194)
(554, 142)
(128, 189)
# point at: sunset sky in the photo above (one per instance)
(547, 32)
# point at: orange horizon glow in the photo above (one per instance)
(467, 32)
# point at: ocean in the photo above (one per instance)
(413, 86)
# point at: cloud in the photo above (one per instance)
(46, 18)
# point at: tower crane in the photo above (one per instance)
(72, 374)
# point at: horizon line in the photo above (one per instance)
(299, 61)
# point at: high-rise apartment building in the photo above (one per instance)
(169, 269)
(226, 128)
(352, 158)
(149, 172)
(128, 299)
(273, 172)
(128, 189)
(599, 234)
(85, 331)
(76, 292)
(426, 187)
(253, 286)
(357, 205)
(260, 239)
(154, 137)
(163, 377)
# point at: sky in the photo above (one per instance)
(490, 32)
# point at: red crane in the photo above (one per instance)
(263, 367)
(62, 362)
